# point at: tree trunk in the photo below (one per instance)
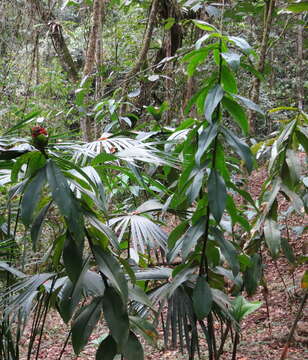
(300, 68)
(146, 44)
(55, 33)
(86, 123)
(255, 93)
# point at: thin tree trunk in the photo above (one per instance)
(86, 122)
(255, 94)
(300, 68)
(146, 44)
(55, 33)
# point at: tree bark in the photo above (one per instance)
(86, 123)
(146, 44)
(59, 44)
(255, 93)
(300, 68)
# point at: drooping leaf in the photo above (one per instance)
(252, 274)
(66, 201)
(133, 350)
(116, 316)
(237, 112)
(109, 266)
(249, 104)
(37, 225)
(107, 349)
(272, 236)
(205, 139)
(84, 324)
(228, 80)
(298, 7)
(288, 250)
(72, 257)
(192, 235)
(213, 98)
(202, 298)
(239, 147)
(233, 59)
(241, 43)
(32, 195)
(217, 194)
(228, 250)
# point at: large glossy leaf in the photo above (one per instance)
(107, 349)
(70, 295)
(115, 313)
(237, 112)
(253, 274)
(133, 350)
(241, 43)
(10, 269)
(249, 104)
(84, 324)
(192, 235)
(205, 139)
(66, 201)
(298, 7)
(228, 250)
(239, 147)
(202, 298)
(272, 236)
(37, 225)
(228, 81)
(72, 257)
(32, 195)
(217, 194)
(109, 266)
(242, 307)
(213, 98)
(233, 59)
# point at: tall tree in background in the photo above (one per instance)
(269, 7)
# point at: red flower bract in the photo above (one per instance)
(38, 130)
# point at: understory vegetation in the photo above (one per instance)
(129, 132)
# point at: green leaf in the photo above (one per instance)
(237, 112)
(241, 43)
(217, 194)
(298, 7)
(176, 233)
(133, 350)
(250, 104)
(242, 308)
(302, 138)
(109, 266)
(202, 298)
(288, 250)
(107, 349)
(37, 224)
(295, 199)
(228, 251)
(27, 119)
(11, 154)
(72, 258)
(116, 316)
(66, 201)
(32, 195)
(204, 25)
(84, 324)
(145, 328)
(192, 235)
(213, 98)
(239, 147)
(70, 295)
(272, 236)
(253, 274)
(228, 80)
(205, 139)
(233, 59)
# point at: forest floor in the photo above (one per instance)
(263, 334)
